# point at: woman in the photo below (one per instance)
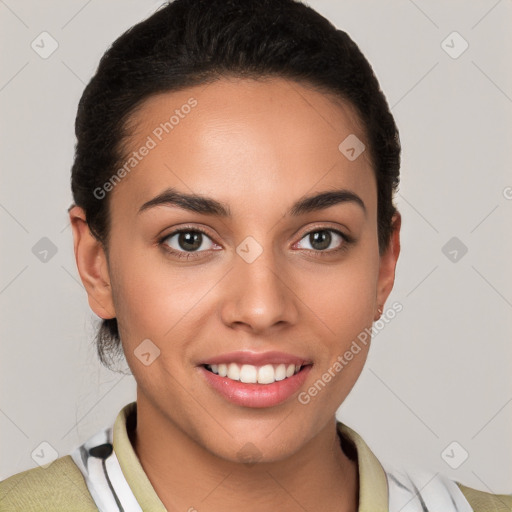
(234, 228)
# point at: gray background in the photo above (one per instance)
(438, 373)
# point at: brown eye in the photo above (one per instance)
(322, 239)
(187, 240)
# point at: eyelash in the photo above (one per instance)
(347, 241)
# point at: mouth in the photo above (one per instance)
(255, 380)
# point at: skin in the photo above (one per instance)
(257, 146)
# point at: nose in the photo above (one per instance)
(259, 296)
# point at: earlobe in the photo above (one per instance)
(387, 266)
(92, 265)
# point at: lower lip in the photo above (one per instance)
(256, 395)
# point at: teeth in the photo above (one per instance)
(266, 374)
(233, 372)
(280, 372)
(250, 374)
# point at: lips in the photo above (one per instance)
(253, 379)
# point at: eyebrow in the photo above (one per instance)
(208, 206)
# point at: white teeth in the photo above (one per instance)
(266, 374)
(248, 374)
(233, 371)
(251, 374)
(281, 372)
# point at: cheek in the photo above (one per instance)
(157, 301)
(148, 296)
(154, 305)
(343, 296)
(345, 304)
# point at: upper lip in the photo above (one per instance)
(256, 358)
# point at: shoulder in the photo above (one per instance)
(483, 501)
(419, 489)
(58, 487)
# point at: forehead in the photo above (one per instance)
(234, 138)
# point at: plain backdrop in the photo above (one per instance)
(437, 385)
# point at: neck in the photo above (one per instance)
(186, 476)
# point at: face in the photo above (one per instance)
(257, 281)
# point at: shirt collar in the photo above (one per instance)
(130, 465)
(373, 484)
(373, 487)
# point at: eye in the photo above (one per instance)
(186, 241)
(321, 239)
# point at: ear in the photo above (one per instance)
(387, 265)
(92, 265)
